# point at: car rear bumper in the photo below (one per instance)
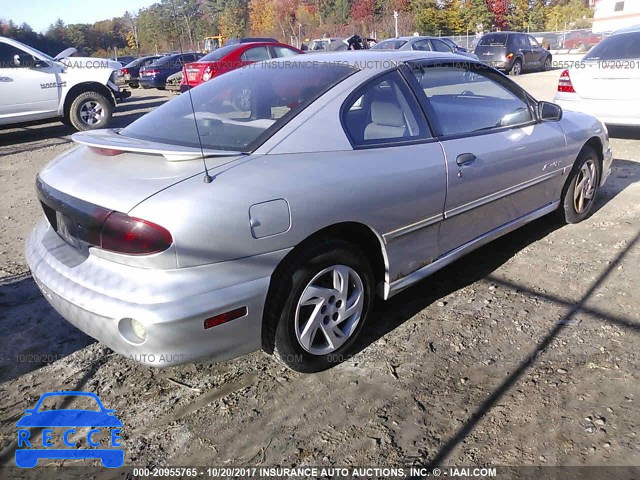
(152, 82)
(97, 295)
(611, 112)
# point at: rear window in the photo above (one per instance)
(240, 109)
(493, 39)
(623, 46)
(219, 53)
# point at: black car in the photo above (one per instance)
(513, 52)
(156, 74)
(131, 71)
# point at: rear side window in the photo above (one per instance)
(624, 46)
(256, 54)
(422, 45)
(384, 111)
(493, 39)
(284, 52)
(440, 46)
(468, 101)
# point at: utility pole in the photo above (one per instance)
(395, 18)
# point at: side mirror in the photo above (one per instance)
(549, 112)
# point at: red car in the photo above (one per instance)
(581, 40)
(231, 57)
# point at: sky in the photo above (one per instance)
(42, 13)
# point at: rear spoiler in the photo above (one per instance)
(109, 139)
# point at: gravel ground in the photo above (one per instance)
(524, 352)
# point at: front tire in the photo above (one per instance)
(89, 111)
(320, 304)
(579, 194)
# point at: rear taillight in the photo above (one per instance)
(509, 56)
(134, 236)
(207, 74)
(564, 84)
(151, 72)
(125, 71)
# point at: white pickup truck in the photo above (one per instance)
(80, 91)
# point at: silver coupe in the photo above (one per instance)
(271, 205)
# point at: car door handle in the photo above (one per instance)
(465, 159)
(6, 79)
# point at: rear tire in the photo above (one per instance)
(319, 305)
(89, 111)
(547, 64)
(581, 189)
(516, 68)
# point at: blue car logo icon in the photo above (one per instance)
(27, 455)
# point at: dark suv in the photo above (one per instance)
(156, 74)
(512, 52)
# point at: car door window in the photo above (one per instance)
(384, 111)
(440, 46)
(255, 54)
(284, 52)
(422, 45)
(533, 42)
(466, 101)
(7, 54)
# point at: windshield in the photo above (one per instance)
(389, 45)
(623, 46)
(42, 54)
(492, 39)
(237, 111)
(219, 54)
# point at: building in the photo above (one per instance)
(612, 15)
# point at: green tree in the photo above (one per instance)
(518, 16)
(573, 14)
(537, 18)
(476, 15)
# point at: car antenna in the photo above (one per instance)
(207, 178)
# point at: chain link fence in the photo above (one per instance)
(567, 41)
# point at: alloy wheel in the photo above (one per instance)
(585, 186)
(329, 310)
(91, 112)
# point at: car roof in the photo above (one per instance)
(633, 29)
(381, 58)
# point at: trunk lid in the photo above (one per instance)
(120, 182)
(604, 80)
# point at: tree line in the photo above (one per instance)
(172, 25)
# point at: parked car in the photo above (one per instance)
(454, 46)
(513, 52)
(131, 71)
(548, 40)
(276, 222)
(605, 83)
(581, 40)
(231, 57)
(124, 60)
(79, 91)
(236, 41)
(322, 44)
(156, 74)
(423, 43)
(173, 82)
